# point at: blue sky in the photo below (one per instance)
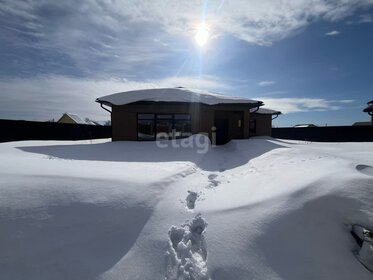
(312, 60)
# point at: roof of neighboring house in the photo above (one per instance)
(90, 122)
(75, 118)
(361, 123)
(264, 111)
(305, 125)
(179, 94)
(99, 122)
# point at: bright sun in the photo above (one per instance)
(202, 35)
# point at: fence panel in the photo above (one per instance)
(326, 134)
(14, 130)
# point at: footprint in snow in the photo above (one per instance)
(365, 169)
(213, 181)
(186, 256)
(212, 176)
(191, 199)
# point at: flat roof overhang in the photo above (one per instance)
(246, 105)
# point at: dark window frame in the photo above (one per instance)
(155, 118)
(137, 131)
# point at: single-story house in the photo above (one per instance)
(260, 123)
(369, 110)
(152, 114)
(74, 119)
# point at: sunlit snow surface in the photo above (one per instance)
(275, 209)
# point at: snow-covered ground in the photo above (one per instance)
(252, 209)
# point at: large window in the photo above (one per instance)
(163, 126)
(182, 125)
(145, 126)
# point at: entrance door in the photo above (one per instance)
(222, 129)
(229, 125)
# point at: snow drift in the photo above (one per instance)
(275, 210)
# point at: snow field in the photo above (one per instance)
(127, 210)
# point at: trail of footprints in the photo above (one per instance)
(186, 256)
(192, 196)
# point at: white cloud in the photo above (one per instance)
(345, 101)
(266, 83)
(333, 33)
(366, 18)
(258, 21)
(120, 35)
(47, 97)
(277, 92)
(296, 105)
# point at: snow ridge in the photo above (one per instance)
(187, 251)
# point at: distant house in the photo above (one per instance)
(261, 121)
(305, 125)
(74, 119)
(101, 122)
(87, 121)
(361, 123)
(369, 110)
(153, 114)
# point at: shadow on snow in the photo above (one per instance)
(231, 155)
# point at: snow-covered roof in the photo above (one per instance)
(361, 123)
(90, 122)
(369, 108)
(173, 95)
(305, 125)
(76, 118)
(265, 111)
(100, 122)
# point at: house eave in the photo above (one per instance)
(102, 103)
(144, 102)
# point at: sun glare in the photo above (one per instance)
(202, 35)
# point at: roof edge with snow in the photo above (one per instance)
(368, 109)
(265, 111)
(73, 117)
(174, 95)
